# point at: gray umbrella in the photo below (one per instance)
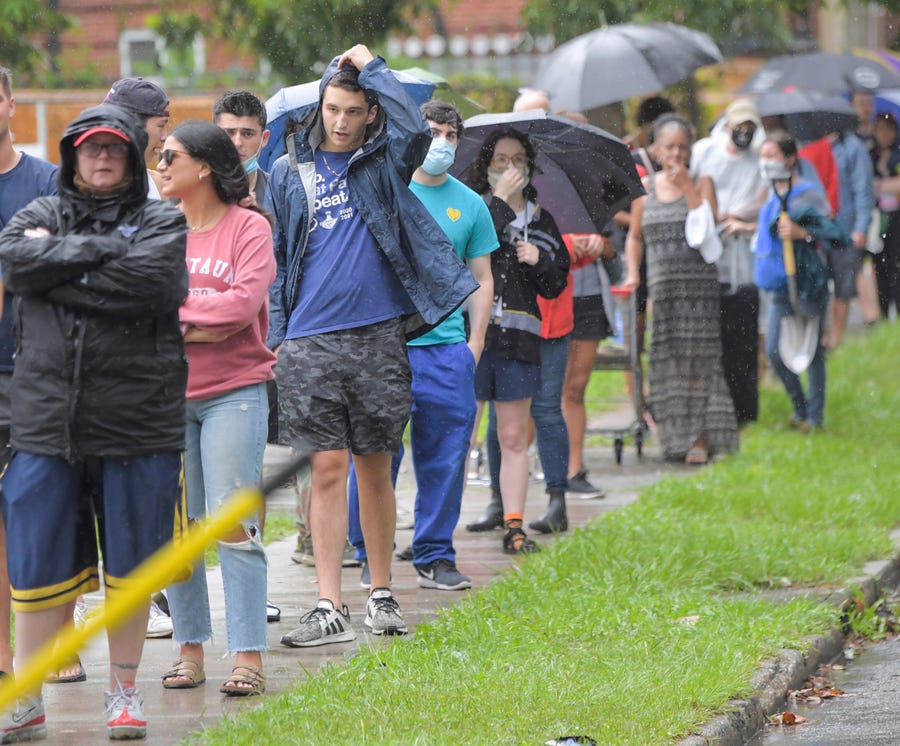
(618, 62)
(821, 71)
(585, 174)
(809, 114)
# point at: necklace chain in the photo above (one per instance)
(195, 228)
(328, 166)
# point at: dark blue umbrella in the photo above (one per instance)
(297, 103)
(585, 175)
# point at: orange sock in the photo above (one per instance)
(513, 520)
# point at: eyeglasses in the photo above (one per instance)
(167, 156)
(502, 161)
(115, 150)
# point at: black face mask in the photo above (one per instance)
(743, 137)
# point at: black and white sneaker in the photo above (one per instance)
(442, 575)
(383, 613)
(582, 488)
(321, 626)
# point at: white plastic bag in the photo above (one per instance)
(701, 234)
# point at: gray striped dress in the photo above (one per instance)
(688, 392)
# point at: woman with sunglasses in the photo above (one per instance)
(97, 396)
(531, 261)
(231, 264)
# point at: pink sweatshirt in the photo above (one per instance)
(231, 267)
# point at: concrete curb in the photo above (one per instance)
(745, 718)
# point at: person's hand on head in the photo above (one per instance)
(357, 56)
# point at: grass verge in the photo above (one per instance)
(642, 625)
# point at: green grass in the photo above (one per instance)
(642, 625)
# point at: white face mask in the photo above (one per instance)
(774, 170)
(494, 174)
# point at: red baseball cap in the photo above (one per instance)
(97, 130)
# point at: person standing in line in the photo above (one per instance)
(225, 320)
(730, 157)
(98, 400)
(532, 260)
(689, 397)
(22, 179)
(443, 366)
(886, 164)
(857, 198)
(242, 116)
(361, 266)
(150, 104)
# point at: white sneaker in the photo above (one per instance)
(80, 614)
(404, 519)
(25, 722)
(159, 624)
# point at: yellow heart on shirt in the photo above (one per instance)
(453, 214)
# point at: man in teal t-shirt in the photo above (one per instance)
(443, 364)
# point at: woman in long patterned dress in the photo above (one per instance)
(689, 397)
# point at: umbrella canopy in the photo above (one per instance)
(618, 62)
(442, 90)
(809, 114)
(821, 71)
(585, 174)
(297, 102)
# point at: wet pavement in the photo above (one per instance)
(75, 711)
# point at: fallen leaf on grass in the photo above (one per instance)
(689, 621)
(787, 718)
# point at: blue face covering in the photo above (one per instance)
(251, 164)
(440, 157)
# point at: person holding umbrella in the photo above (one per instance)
(689, 398)
(790, 195)
(531, 261)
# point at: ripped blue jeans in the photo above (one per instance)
(224, 446)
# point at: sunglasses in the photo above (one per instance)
(115, 150)
(167, 156)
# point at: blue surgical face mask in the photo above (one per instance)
(440, 157)
(251, 164)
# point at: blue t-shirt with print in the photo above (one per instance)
(347, 281)
(464, 217)
(29, 179)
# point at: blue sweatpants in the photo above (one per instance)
(443, 414)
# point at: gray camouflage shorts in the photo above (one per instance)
(345, 389)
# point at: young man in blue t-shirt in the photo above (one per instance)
(22, 179)
(443, 364)
(360, 265)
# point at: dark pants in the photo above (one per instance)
(739, 323)
(887, 267)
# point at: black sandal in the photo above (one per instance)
(516, 541)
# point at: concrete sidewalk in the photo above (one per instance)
(75, 711)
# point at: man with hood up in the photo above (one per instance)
(98, 398)
(361, 266)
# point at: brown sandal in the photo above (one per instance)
(244, 675)
(189, 669)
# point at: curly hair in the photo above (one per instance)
(206, 142)
(475, 176)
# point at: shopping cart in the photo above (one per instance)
(624, 354)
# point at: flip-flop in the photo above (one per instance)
(79, 676)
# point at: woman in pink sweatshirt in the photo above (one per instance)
(225, 319)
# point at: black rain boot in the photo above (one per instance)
(554, 520)
(492, 517)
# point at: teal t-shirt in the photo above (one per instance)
(464, 217)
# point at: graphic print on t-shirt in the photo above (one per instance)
(332, 204)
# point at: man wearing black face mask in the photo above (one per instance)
(730, 157)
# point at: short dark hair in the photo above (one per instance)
(651, 108)
(240, 104)
(475, 175)
(348, 79)
(6, 80)
(443, 112)
(785, 142)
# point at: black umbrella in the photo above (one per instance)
(618, 62)
(809, 114)
(821, 71)
(585, 174)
